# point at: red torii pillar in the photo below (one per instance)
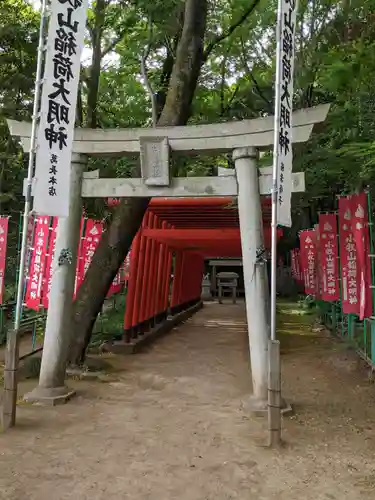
(177, 277)
(166, 285)
(150, 289)
(157, 304)
(132, 281)
(139, 277)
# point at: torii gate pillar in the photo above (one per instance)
(243, 138)
(51, 389)
(255, 277)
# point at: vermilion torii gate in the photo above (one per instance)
(192, 229)
(244, 139)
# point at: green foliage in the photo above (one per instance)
(18, 42)
(110, 323)
(335, 62)
(19, 24)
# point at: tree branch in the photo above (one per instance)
(128, 24)
(252, 77)
(171, 47)
(187, 65)
(230, 101)
(210, 47)
(222, 86)
(165, 76)
(113, 44)
(94, 78)
(146, 79)
(79, 117)
(84, 75)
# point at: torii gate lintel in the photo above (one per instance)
(245, 139)
(155, 145)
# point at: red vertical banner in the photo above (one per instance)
(308, 258)
(49, 261)
(348, 258)
(296, 265)
(293, 265)
(30, 230)
(318, 269)
(31, 222)
(79, 266)
(93, 233)
(127, 265)
(117, 283)
(132, 281)
(36, 271)
(329, 257)
(4, 225)
(360, 229)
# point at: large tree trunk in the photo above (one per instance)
(187, 65)
(127, 217)
(107, 260)
(94, 76)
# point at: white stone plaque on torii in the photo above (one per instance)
(154, 157)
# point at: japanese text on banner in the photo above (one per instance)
(58, 106)
(49, 263)
(318, 271)
(4, 224)
(361, 235)
(293, 265)
(35, 280)
(348, 258)
(31, 222)
(296, 265)
(329, 257)
(79, 267)
(127, 265)
(285, 66)
(308, 257)
(117, 283)
(93, 233)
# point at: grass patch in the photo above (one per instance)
(301, 306)
(295, 323)
(110, 324)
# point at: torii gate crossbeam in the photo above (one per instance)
(244, 139)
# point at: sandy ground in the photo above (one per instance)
(172, 425)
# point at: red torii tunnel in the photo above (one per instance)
(178, 234)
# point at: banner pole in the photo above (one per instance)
(275, 174)
(12, 350)
(274, 372)
(30, 170)
(19, 238)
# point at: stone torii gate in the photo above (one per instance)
(244, 139)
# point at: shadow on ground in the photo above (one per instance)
(173, 424)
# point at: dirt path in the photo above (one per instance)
(172, 425)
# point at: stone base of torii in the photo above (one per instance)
(244, 139)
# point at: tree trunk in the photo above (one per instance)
(116, 241)
(187, 65)
(105, 264)
(94, 77)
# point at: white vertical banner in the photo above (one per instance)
(284, 109)
(66, 32)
